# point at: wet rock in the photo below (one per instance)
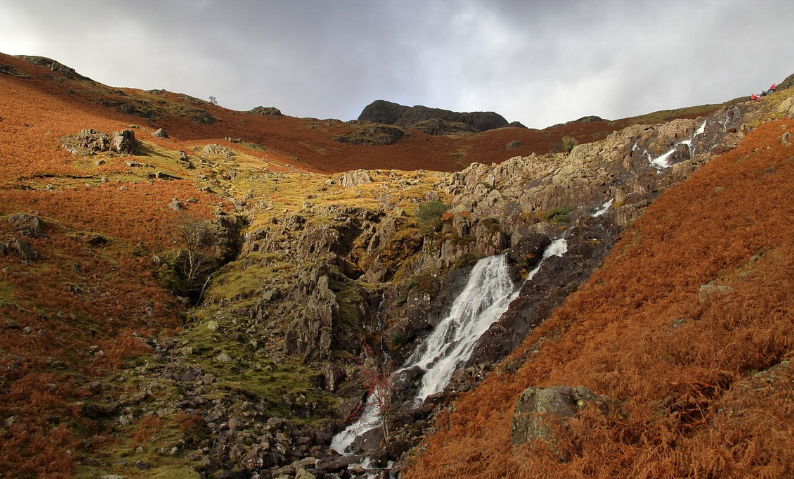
(338, 464)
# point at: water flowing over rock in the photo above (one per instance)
(484, 299)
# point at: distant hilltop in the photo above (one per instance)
(433, 121)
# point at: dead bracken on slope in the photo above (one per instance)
(687, 326)
(94, 358)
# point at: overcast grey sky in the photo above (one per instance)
(539, 62)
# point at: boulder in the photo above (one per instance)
(23, 249)
(265, 111)
(27, 225)
(123, 141)
(537, 408)
(175, 205)
(215, 150)
(354, 178)
(160, 133)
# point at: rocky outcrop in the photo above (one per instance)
(87, 142)
(371, 134)
(123, 141)
(431, 120)
(264, 111)
(54, 66)
(354, 178)
(311, 333)
(27, 225)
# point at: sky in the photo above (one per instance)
(539, 62)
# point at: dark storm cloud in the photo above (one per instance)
(538, 62)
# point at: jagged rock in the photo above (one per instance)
(54, 66)
(536, 406)
(86, 142)
(215, 150)
(27, 225)
(354, 178)
(202, 117)
(23, 249)
(310, 334)
(264, 111)
(332, 377)
(9, 70)
(160, 133)
(123, 141)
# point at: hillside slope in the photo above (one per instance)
(201, 303)
(686, 329)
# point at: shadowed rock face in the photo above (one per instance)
(419, 117)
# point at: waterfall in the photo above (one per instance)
(487, 295)
(661, 161)
(604, 208)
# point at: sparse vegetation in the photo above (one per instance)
(428, 216)
(558, 214)
(568, 143)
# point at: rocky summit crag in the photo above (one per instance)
(212, 293)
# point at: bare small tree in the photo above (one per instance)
(195, 260)
(377, 376)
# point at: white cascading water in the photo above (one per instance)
(486, 296)
(604, 208)
(661, 161)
